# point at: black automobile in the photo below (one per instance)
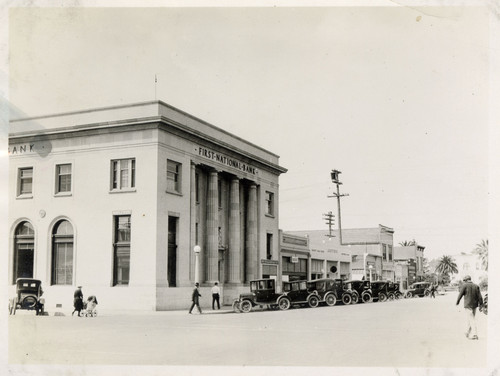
(263, 292)
(330, 291)
(418, 289)
(394, 288)
(361, 291)
(382, 290)
(28, 296)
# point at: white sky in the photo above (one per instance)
(396, 98)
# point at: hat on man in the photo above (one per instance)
(197, 284)
(467, 278)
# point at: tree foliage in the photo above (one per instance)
(481, 250)
(407, 243)
(447, 266)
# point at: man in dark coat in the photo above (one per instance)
(472, 300)
(78, 301)
(195, 298)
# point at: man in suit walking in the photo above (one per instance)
(195, 298)
(472, 299)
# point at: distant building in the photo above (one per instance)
(413, 255)
(468, 264)
(312, 255)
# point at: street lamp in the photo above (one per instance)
(197, 250)
(370, 267)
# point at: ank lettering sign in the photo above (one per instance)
(21, 149)
(225, 160)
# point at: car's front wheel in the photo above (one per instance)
(382, 297)
(284, 304)
(236, 306)
(366, 297)
(346, 299)
(331, 300)
(409, 295)
(313, 301)
(246, 306)
(391, 296)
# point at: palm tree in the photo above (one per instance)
(482, 251)
(407, 243)
(446, 265)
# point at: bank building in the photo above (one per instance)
(137, 202)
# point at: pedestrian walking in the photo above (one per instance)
(433, 290)
(215, 295)
(77, 301)
(195, 298)
(472, 299)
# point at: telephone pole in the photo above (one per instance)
(330, 221)
(335, 180)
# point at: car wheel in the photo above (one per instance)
(398, 296)
(355, 298)
(346, 299)
(313, 301)
(284, 304)
(366, 297)
(409, 295)
(246, 306)
(236, 306)
(391, 296)
(382, 297)
(331, 300)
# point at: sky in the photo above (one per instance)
(396, 98)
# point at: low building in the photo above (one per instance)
(413, 255)
(468, 264)
(295, 257)
(326, 258)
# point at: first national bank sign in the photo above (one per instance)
(227, 161)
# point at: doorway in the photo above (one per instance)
(172, 251)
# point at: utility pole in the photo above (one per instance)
(330, 221)
(335, 180)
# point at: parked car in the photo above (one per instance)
(360, 290)
(28, 296)
(394, 288)
(264, 292)
(418, 289)
(330, 291)
(382, 290)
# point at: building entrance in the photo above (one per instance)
(172, 251)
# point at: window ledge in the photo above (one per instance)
(123, 190)
(24, 197)
(173, 192)
(63, 194)
(270, 215)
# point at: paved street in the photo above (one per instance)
(418, 332)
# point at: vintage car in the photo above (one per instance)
(383, 290)
(28, 296)
(361, 290)
(330, 291)
(264, 292)
(418, 289)
(394, 288)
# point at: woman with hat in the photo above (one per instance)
(78, 301)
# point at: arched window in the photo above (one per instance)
(24, 251)
(62, 253)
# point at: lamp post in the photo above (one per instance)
(197, 250)
(370, 267)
